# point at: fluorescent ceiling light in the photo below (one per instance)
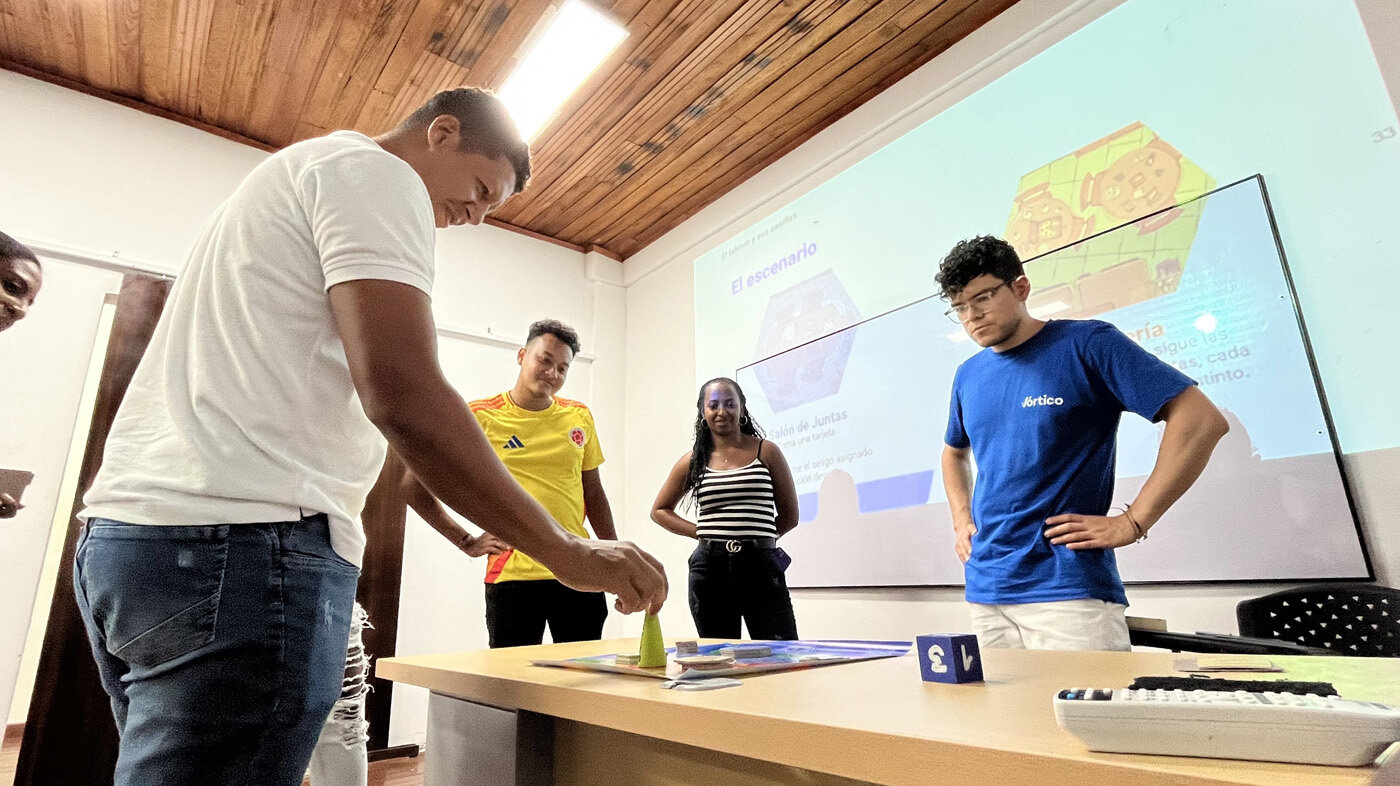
(572, 44)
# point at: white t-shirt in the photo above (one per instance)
(242, 409)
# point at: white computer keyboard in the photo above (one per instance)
(1229, 724)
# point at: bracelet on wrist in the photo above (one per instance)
(1141, 533)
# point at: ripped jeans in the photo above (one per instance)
(222, 647)
(341, 757)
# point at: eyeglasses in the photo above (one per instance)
(980, 302)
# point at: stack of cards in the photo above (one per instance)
(749, 651)
(703, 662)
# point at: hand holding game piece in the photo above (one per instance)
(653, 654)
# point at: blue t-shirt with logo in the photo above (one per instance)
(1042, 421)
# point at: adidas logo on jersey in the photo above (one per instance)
(1042, 401)
(513, 442)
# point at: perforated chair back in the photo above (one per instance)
(1349, 619)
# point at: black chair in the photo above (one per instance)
(1348, 619)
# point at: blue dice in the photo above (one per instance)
(950, 657)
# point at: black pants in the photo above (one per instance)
(744, 580)
(517, 611)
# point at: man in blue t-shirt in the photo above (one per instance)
(1038, 409)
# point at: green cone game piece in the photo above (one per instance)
(653, 654)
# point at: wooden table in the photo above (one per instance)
(871, 721)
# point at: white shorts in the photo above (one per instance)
(1086, 624)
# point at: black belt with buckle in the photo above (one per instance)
(736, 545)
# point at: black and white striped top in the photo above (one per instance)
(736, 503)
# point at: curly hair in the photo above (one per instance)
(487, 127)
(13, 249)
(972, 258)
(705, 441)
(553, 327)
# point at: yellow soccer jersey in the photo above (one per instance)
(547, 453)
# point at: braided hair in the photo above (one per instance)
(705, 441)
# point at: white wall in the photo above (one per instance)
(116, 184)
(661, 342)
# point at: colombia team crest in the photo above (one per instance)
(576, 435)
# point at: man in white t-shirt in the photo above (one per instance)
(217, 571)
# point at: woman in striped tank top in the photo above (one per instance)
(742, 487)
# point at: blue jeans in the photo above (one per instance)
(222, 647)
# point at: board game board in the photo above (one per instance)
(786, 656)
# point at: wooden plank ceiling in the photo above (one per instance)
(701, 94)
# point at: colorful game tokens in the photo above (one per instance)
(627, 659)
(687, 647)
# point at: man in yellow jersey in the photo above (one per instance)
(550, 446)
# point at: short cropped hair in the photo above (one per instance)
(553, 327)
(972, 258)
(487, 127)
(13, 249)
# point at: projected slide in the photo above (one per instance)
(859, 412)
(1107, 135)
